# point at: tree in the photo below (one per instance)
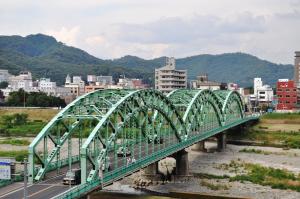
(8, 120)
(20, 118)
(35, 99)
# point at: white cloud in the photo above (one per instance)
(65, 35)
(149, 28)
(95, 40)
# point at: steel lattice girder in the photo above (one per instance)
(181, 112)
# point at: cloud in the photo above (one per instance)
(180, 30)
(95, 40)
(149, 28)
(66, 35)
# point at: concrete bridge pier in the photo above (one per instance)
(151, 172)
(182, 163)
(182, 166)
(199, 146)
(221, 141)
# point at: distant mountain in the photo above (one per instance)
(44, 56)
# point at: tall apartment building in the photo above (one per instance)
(297, 69)
(167, 78)
(297, 75)
(286, 94)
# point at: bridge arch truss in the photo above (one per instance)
(112, 133)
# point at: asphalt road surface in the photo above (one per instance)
(52, 185)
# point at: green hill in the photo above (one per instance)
(44, 56)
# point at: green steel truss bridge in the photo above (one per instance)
(113, 133)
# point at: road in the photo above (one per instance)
(53, 186)
(42, 190)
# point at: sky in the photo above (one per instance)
(108, 29)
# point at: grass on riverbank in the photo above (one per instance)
(37, 119)
(18, 155)
(268, 176)
(259, 151)
(258, 174)
(29, 129)
(273, 139)
(214, 186)
(33, 114)
(15, 142)
(281, 116)
(275, 130)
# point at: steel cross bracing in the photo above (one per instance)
(116, 132)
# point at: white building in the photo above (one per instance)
(167, 78)
(262, 93)
(91, 78)
(22, 81)
(46, 86)
(104, 80)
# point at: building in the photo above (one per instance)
(91, 79)
(167, 78)
(4, 75)
(77, 86)
(22, 81)
(297, 69)
(91, 88)
(46, 86)
(104, 80)
(286, 95)
(128, 83)
(202, 82)
(262, 93)
(232, 87)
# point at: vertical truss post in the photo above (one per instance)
(83, 165)
(70, 152)
(58, 153)
(31, 165)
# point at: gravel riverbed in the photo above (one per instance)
(209, 163)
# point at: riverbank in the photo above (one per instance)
(212, 172)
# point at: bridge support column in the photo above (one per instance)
(182, 166)
(221, 141)
(199, 146)
(182, 163)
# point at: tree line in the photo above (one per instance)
(33, 99)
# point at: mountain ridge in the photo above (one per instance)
(45, 56)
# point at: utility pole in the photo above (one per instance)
(24, 98)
